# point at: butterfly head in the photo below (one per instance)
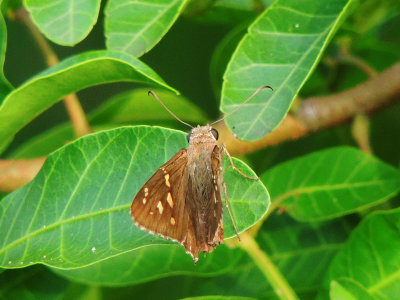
(202, 134)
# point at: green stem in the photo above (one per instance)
(281, 287)
(73, 106)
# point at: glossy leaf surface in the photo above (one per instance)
(65, 22)
(331, 183)
(71, 75)
(135, 27)
(281, 49)
(76, 211)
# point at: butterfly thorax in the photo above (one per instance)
(202, 135)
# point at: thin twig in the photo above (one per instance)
(316, 113)
(280, 285)
(313, 114)
(72, 104)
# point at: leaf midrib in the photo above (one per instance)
(317, 188)
(283, 84)
(62, 222)
(307, 250)
(387, 280)
(148, 25)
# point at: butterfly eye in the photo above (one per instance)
(215, 133)
(188, 137)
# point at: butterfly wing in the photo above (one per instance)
(167, 205)
(159, 206)
(217, 230)
(203, 201)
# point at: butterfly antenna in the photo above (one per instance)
(167, 109)
(247, 100)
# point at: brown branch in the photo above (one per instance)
(316, 113)
(313, 114)
(75, 111)
(16, 173)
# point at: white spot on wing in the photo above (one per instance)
(169, 200)
(166, 176)
(160, 207)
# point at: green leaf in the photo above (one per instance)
(76, 211)
(218, 298)
(331, 183)
(371, 257)
(135, 27)
(73, 74)
(46, 142)
(5, 86)
(281, 49)
(133, 107)
(65, 22)
(295, 247)
(150, 263)
(347, 289)
(31, 283)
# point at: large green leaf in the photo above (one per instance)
(65, 22)
(78, 72)
(133, 107)
(219, 298)
(76, 211)
(331, 183)
(5, 86)
(281, 49)
(136, 26)
(31, 283)
(293, 246)
(347, 289)
(150, 263)
(371, 257)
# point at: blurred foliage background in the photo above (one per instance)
(192, 57)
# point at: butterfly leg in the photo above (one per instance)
(224, 150)
(228, 206)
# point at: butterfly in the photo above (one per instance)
(182, 200)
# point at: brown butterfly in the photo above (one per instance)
(182, 200)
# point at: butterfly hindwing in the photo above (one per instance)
(218, 228)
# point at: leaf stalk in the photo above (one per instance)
(74, 108)
(280, 285)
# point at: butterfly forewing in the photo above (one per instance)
(159, 207)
